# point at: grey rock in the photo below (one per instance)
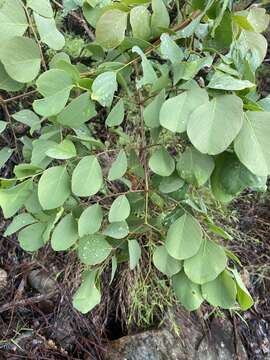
(192, 344)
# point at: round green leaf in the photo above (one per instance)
(160, 18)
(165, 263)
(30, 238)
(87, 177)
(87, 296)
(42, 7)
(117, 230)
(252, 143)
(161, 162)
(140, 22)
(13, 21)
(207, 264)
(53, 187)
(21, 58)
(79, 110)
(90, 220)
(243, 296)
(184, 237)
(48, 32)
(111, 27)
(221, 120)
(170, 50)
(63, 151)
(188, 293)
(170, 183)
(104, 87)
(19, 222)
(221, 291)
(65, 234)
(6, 83)
(195, 167)
(119, 166)
(175, 112)
(152, 110)
(135, 253)
(93, 249)
(116, 115)
(55, 85)
(120, 209)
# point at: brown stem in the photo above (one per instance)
(21, 96)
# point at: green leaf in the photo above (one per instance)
(251, 145)
(87, 177)
(28, 118)
(161, 162)
(21, 58)
(111, 27)
(195, 167)
(53, 187)
(135, 253)
(140, 22)
(221, 291)
(42, 7)
(221, 120)
(87, 296)
(104, 87)
(254, 43)
(90, 220)
(39, 157)
(170, 184)
(117, 230)
(114, 268)
(93, 249)
(48, 32)
(170, 50)
(55, 85)
(12, 199)
(160, 17)
(6, 83)
(119, 167)
(5, 154)
(13, 21)
(120, 209)
(258, 18)
(175, 112)
(65, 234)
(188, 293)
(184, 237)
(116, 115)
(152, 110)
(149, 76)
(19, 222)
(30, 238)
(188, 70)
(207, 264)
(221, 81)
(63, 151)
(165, 263)
(24, 170)
(243, 296)
(3, 125)
(79, 110)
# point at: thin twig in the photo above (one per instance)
(36, 37)
(25, 302)
(21, 96)
(143, 146)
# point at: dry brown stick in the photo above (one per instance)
(21, 96)
(25, 302)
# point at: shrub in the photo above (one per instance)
(118, 150)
